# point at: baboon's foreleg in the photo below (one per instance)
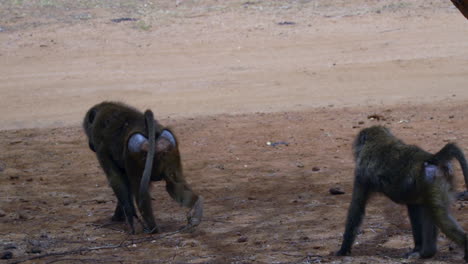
(120, 186)
(355, 215)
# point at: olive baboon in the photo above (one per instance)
(119, 135)
(407, 175)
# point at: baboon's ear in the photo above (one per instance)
(166, 142)
(91, 116)
(362, 138)
(138, 143)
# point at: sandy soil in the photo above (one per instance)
(229, 76)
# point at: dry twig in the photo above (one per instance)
(124, 243)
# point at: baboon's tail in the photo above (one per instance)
(449, 152)
(145, 179)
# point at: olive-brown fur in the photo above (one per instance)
(407, 175)
(109, 126)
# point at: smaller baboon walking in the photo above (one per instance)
(407, 175)
(133, 149)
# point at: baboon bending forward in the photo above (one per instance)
(407, 175)
(134, 149)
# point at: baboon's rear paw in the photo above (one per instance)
(153, 230)
(117, 218)
(413, 255)
(195, 214)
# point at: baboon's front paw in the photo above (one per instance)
(342, 252)
(195, 214)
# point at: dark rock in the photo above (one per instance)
(336, 191)
(462, 196)
(242, 239)
(9, 246)
(7, 255)
(123, 19)
(286, 23)
(35, 250)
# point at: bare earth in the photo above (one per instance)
(228, 76)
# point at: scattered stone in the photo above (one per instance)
(2, 213)
(14, 177)
(219, 166)
(315, 169)
(82, 16)
(20, 216)
(336, 191)
(286, 23)
(361, 123)
(123, 19)
(35, 250)
(462, 196)
(7, 255)
(242, 239)
(299, 165)
(248, 3)
(274, 144)
(9, 246)
(376, 117)
(451, 116)
(100, 201)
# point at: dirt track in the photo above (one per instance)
(228, 78)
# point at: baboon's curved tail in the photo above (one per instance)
(145, 179)
(449, 152)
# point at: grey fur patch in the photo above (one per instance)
(168, 135)
(135, 142)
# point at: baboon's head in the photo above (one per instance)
(88, 126)
(371, 136)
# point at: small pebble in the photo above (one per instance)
(35, 250)
(242, 239)
(336, 191)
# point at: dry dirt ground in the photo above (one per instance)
(228, 76)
